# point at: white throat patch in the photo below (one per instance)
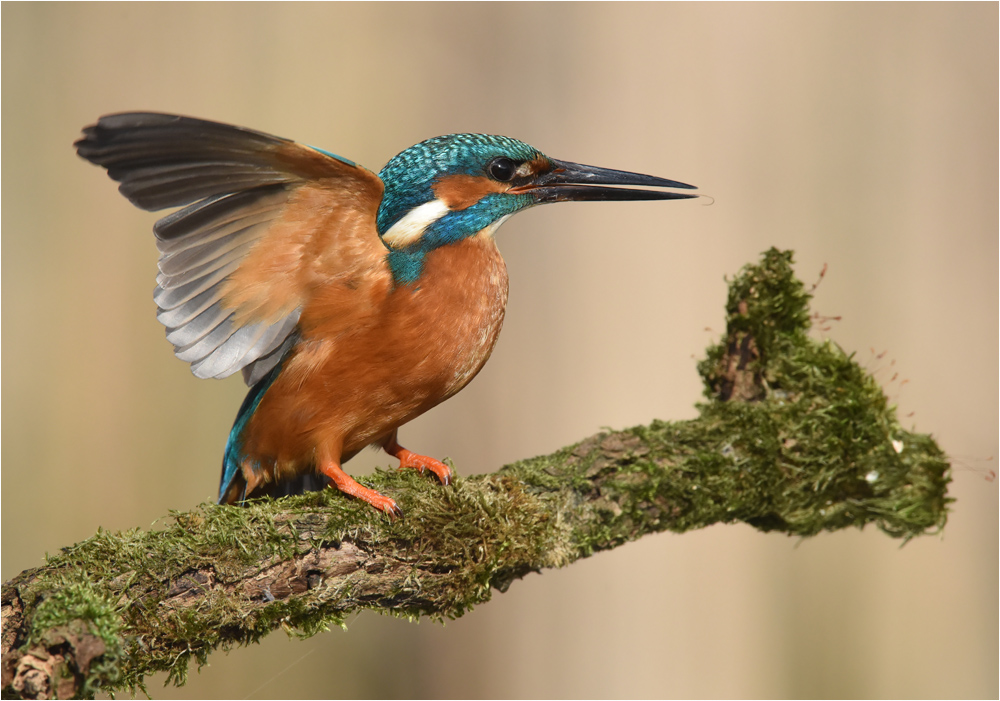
(492, 228)
(413, 224)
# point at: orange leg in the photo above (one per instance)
(347, 484)
(408, 458)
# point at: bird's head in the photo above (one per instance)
(452, 187)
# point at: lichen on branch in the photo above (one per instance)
(793, 436)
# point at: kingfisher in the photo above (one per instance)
(350, 302)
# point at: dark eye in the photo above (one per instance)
(501, 169)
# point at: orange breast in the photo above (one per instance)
(374, 357)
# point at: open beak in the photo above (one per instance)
(573, 182)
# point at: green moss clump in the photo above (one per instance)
(814, 433)
(71, 614)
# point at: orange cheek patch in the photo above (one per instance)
(462, 191)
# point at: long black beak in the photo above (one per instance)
(573, 182)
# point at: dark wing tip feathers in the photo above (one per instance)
(166, 160)
(144, 126)
(163, 160)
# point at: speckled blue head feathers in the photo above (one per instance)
(410, 175)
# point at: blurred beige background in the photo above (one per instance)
(862, 136)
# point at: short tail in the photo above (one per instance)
(233, 484)
(300, 484)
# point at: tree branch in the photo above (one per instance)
(795, 438)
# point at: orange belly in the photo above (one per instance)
(357, 375)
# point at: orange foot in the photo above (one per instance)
(408, 458)
(348, 485)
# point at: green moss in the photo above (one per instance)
(70, 601)
(794, 437)
(71, 611)
(821, 439)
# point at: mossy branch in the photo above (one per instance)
(795, 437)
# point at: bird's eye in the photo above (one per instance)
(501, 169)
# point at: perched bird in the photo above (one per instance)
(351, 302)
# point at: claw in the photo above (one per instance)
(382, 503)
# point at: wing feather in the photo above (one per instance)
(165, 160)
(200, 252)
(200, 267)
(178, 316)
(245, 346)
(233, 186)
(171, 297)
(193, 329)
(216, 216)
(257, 371)
(207, 344)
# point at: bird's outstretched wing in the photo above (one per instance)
(234, 185)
